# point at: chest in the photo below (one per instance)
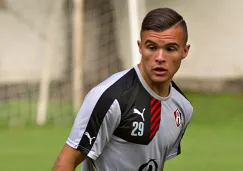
(148, 119)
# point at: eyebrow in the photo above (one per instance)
(149, 41)
(173, 44)
(168, 44)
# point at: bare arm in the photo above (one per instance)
(68, 159)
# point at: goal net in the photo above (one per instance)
(47, 33)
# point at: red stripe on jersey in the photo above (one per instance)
(157, 121)
(152, 101)
(155, 106)
(154, 131)
(155, 114)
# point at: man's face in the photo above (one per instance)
(162, 53)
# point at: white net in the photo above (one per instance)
(22, 69)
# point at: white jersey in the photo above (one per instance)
(123, 125)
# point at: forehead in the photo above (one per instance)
(174, 34)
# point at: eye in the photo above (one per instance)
(171, 49)
(152, 47)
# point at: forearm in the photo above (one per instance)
(63, 167)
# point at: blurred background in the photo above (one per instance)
(54, 51)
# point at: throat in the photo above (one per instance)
(161, 90)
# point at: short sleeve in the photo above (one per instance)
(176, 148)
(95, 123)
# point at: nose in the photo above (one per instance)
(160, 57)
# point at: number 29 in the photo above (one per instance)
(138, 128)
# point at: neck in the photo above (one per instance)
(161, 89)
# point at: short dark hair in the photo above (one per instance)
(161, 19)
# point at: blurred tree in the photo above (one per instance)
(3, 4)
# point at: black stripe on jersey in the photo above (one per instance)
(178, 89)
(179, 149)
(179, 146)
(103, 105)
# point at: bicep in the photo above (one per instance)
(68, 159)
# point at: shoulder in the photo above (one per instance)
(111, 88)
(181, 100)
(102, 99)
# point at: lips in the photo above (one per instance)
(160, 70)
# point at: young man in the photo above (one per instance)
(135, 120)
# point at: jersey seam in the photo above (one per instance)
(183, 96)
(81, 148)
(127, 89)
(92, 155)
(92, 152)
(172, 155)
(119, 119)
(77, 147)
(122, 95)
(71, 143)
(180, 91)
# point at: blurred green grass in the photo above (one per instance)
(213, 140)
(23, 112)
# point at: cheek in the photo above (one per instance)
(147, 55)
(175, 63)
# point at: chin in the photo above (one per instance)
(159, 80)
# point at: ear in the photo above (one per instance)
(186, 50)
(139, 45)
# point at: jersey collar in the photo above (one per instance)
(146, 86)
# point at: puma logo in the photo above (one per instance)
(90, 139)
(139, 113)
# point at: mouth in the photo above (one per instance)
(159, 70)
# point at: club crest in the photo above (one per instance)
(178, 117)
